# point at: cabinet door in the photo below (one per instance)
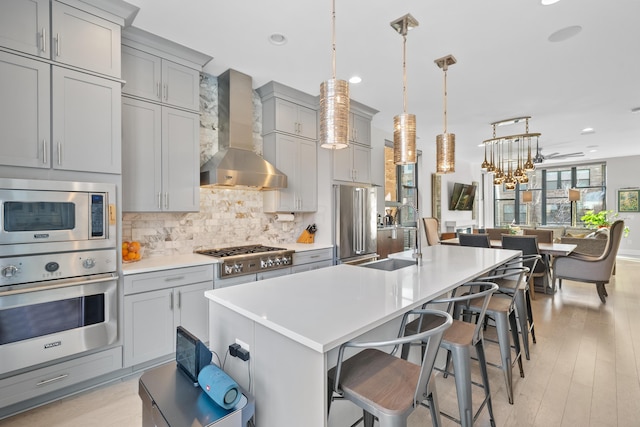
(286, 116)
(360, 129)
(142, 73)
(307, 176)
(307, 122)
(86, 122)
(193, 307)
(24, 26)
(148, 326)
(71, 31)
(361, 163)
(141, 156)
(24, 112)
(287, 162)
(181, 85)
(343, 164)
(180, 160)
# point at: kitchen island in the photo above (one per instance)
(293, 325)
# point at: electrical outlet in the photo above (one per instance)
(243, 344)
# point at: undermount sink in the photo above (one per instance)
(389, 264)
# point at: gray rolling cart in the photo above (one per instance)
(169, 399)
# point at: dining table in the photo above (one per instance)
(547, 250)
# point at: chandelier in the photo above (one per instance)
(507, 154)
(334, 103)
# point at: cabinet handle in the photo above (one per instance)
(59, 153)
(171, 301)
(173, 278)
(314, 256)
(51, 380)
(58, 47)
(159, 200)
(166, 92)
(355, 134)
(158, 91)
(43, 39)
(44, 151)
(179, 299)
(166, 200)
(299, 127)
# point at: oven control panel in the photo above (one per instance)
(40, 268)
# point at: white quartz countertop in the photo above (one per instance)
(324, 308)
(157, 263)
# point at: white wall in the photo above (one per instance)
(623, 172)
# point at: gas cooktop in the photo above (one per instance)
(239, 250)
(238, 260)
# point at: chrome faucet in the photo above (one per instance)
(417, 250)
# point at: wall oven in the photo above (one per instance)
(59, 293)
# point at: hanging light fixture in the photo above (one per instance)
(334, 103)
(519, 175)
(446, 142)
(404, 125)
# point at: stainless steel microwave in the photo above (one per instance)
(54, 216)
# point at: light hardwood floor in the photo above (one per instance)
(584, 370)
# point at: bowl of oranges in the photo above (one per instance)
(132, 251)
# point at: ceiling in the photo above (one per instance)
(507, 67)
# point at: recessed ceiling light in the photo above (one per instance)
(586, 131)
(635, 110)
(355, 79)
(565, 33)
(549, 2)
(593, 151)
(277, 39)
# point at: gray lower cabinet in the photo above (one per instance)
(161, 152)
(312, 260)
(58, 118)
(156, 303)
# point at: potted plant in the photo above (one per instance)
(601, 219)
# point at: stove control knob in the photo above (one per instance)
(286, 260)
(228, 269)
(277, 261)
(263, 263)
(237, 268)
(89, 263)
(269, 262)
(9, 271)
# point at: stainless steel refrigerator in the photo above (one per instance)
(355, 224)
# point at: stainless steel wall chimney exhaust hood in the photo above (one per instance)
(235, 164)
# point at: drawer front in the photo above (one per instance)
(145, 282)
(312, 256)
(45, 380)
(311, 266)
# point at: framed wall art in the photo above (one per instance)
(628, 200)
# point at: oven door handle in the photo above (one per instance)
(62, 284)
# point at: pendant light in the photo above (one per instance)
(334, 103)
(446, 142)
(404, 125)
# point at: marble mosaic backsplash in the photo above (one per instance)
(227, 217)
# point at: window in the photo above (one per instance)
(550, 204)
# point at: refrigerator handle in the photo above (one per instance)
(359, 221)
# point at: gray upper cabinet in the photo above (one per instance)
(161, 143)
(24, 111)
(84, 131)
(86, 122)
(159, 70)
(151, 77)
(25, 27)
(160, 158)
(289, 127)
(353, 163)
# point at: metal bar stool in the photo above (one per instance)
(387, 387)
(502, 310)
(524, 312)
(458, 342)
